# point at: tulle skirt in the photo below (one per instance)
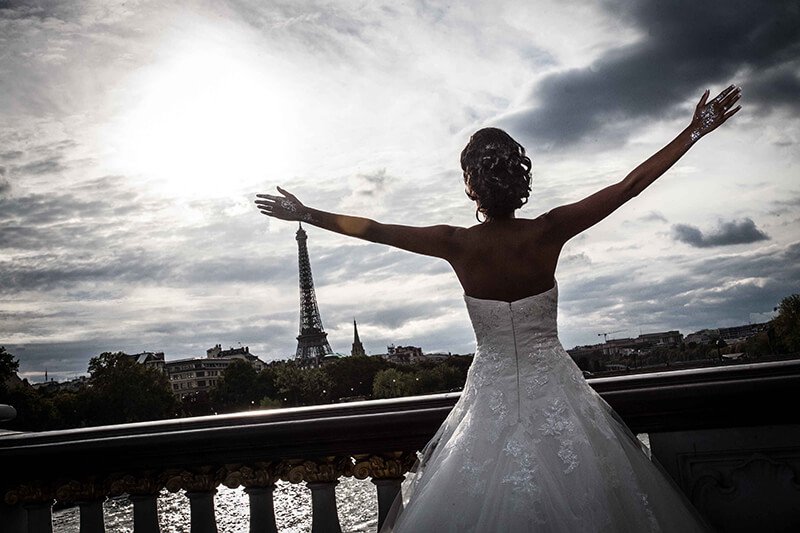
(563, 462)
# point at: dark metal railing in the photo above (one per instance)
(318, 445)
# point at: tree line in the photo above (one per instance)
(121, 390)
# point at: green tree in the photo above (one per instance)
(353, 376)
(35, 412)
(237, 390)
(8, 367)
(122, 390)
(787, 323)
(391, 383)
(302, 386)
(197, 404)
(70, 409)
(265, 384)
(758, 345)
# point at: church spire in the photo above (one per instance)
(358, 348)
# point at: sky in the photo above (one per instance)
(134, 136)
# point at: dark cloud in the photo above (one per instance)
(728, 233)
(49, 165)
(653, 216)
(372, 184)
(372, 262)
(39, 221)
(686, 47)
(324, 30)
(129, 267)
(778, 86)
(49, 271)
(11, 155)
(394, 317)
(790, 204)
(90, 235)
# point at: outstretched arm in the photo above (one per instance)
(569, 220)
(436, 241)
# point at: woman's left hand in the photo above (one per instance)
(708, 116)
(285, 207)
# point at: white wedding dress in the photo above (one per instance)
(531, 447)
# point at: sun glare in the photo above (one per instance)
(209, 122)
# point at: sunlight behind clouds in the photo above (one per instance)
(213, 118)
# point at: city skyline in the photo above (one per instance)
(367, 353)
(134, 137)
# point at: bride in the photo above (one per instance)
(529, 446)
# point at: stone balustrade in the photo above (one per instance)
(729, 435)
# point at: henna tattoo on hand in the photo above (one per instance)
(714, 112)
(708, 116)
(288, 205)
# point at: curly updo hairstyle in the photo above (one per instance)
(497, 173)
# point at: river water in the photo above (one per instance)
(357, 502)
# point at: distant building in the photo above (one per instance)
(75, 384)
(617, 347)
(403, 354)
(13, 382)
(437, 357)
(151, 359)
(589, 357)
(598, 357)
(729, 335)
(741, 333)
(188, 376)
(665, 338)
(72, 385)
(704, 336)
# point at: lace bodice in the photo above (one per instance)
(518, 350)
(529, 322)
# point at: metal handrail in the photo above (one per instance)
(7, 413)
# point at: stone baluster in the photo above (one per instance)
(145, 513)
(40, 517)
(387, 472)
(89, 494)
(202, 507)
(258, 481)
(321, 477)
(13, 518)
(92, 517)
(200, 485)
(37, 500)
(143, 489)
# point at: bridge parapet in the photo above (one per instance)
(719, 431)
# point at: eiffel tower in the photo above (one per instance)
(312, 343)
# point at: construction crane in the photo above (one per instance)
(606, 334)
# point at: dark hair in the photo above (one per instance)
(496, 172)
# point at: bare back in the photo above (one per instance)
(506, 259)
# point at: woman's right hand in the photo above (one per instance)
(708, 116)
(285, 207)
